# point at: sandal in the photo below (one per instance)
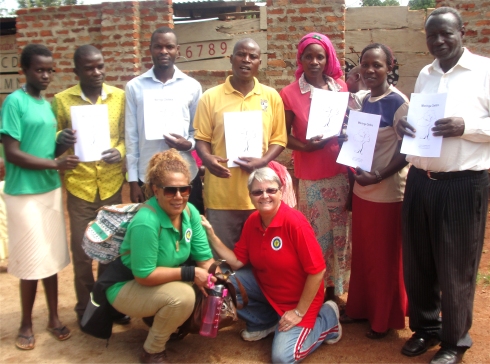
(345, 319)
(24, 342)
(59, 333)
(374, 335)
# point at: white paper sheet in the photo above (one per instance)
(424, 111)
(91, 123)
(243, 135)
(362, 132)
(327, 113)
(162, 114)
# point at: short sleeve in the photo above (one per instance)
(309, 250)
(285, 98)
(200, 250)
(203, 123)
(143, 235)
(279, 135)
(11, 118)
(241, 247)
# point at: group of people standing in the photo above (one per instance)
(292, 263)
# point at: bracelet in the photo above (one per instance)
(187, 273)
(297, 313)
(378, 176)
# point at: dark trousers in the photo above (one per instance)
(81, 212)
(443, 233)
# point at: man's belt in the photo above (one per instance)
(447, 175)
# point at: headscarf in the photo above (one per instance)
(332, 68)
(288, 195)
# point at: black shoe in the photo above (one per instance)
(448, 356)
(418, 344)
(123, 320)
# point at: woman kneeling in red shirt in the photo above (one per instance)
(284, 275)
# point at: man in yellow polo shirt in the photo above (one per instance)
(225, 189)
(91, 184)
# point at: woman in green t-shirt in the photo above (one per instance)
(159, 239)
(35, 221)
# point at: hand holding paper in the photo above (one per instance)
(424, 111)
(316, 143)
(364, 178)
(111, 156)
(449, 127)
(249, 164)
(176, 141)
(213, 164)
(67, 137)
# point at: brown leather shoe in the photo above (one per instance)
(153, 358)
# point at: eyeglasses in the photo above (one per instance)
(269, 191)
(171, 191)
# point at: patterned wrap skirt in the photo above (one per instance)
(323, 203)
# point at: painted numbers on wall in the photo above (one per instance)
(204, 50)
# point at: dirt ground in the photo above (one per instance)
(126, 341)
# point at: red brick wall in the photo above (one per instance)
(122, 31)
(476, 18)
(288, 21)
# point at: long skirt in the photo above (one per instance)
(377, 291)
(323, 203)
(37, 235)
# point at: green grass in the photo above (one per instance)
(483, 278)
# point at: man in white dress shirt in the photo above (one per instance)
(445, 206)
(180, 94)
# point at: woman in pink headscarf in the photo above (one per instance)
(323, 184)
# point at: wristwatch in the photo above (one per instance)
(297, 313)
(378, 176)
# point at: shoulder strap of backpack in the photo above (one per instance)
(153, 210)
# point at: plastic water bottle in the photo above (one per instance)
(211, 309)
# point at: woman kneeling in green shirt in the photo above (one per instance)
(158, 242)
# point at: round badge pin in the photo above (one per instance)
(188, 235)
(276, 243)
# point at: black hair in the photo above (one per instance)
(32, 50)
(163, 30)
(387, 51)
(84, 51)
(245, 40)
(447, 10)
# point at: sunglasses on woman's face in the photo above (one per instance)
(269, 191)
(171, 191)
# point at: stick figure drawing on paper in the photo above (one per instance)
(361, 138)
(424, 124)
(248, 137)
(330, 113)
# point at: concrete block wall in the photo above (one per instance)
(476, 18)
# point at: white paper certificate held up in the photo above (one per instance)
(362, 132)
(162, 115)
(327, 113)
(91, 123)
(424, 111)
(243, 135)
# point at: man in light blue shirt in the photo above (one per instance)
(181, 93)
